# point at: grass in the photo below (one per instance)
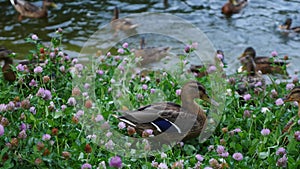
(85, 134)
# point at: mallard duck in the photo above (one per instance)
(287, 26)
(265, 64)
(233, 7)
(8, 73)
(164, 117)
(200, 71)
(253, 78)
(27, 9)
(123, 24)
(150, 54)
(294, 95)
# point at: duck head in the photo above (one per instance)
(194, 90)
(49, 3)
(249, 51)
(249, 64)
(287, 24)
(294, 95)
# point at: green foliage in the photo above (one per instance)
(67, 148)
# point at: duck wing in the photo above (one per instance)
(296, 29)
(27, 6)
(267, 60)
(152, 112)
(159, 117)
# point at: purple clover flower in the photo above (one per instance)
(71, 101)
(290, 86)
(32, 110)
(162, 166)
(199, 157)
(100, 72)
(178, 92)
(32, 83)
(34, 37)
(120, 50)
(86, 166)
(3, 107)
(116, 162)
(274, 53)
(280, 151)
(38, 69)
(279, 102)
(247, 97)
(22, 134)
(44, 93)
(1, 130)
(20, 67)
(144, 87)
(99, 117)
(46, 137)
(265, 132)
(237, 156)
(121, 125)
(62, 68)
(282, 162)
(125, 45)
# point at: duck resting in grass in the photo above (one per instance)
(294, 95)
(27, 9)
(201, 71)
(7, 71)
(150, 54)
(253, 79)
(164, 117)
(265, 64)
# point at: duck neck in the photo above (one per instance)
(191, 106)
(251, 66)
(299, 108)
(116, 14)
(8, 61)
(44, 7)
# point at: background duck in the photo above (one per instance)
(265, 64)
(233, 7)
(287, 26)
(200, 71)
(294, 95)
(7, 72)
(252, 80)
(164, 117)
(150, 54)
(27, 9)
(123, 24)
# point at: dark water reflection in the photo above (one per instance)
(255, 26)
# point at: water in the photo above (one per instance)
(256, 25)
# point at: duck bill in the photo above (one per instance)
(53, 5)
(213, 102)
(243, 55)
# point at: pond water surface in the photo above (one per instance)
(256, 25)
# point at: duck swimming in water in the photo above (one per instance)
(27, 9)
(233, 7)
(287, 26)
